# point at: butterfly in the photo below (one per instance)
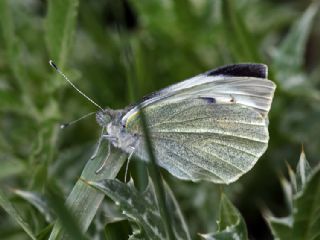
(212, 127)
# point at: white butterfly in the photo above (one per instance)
(212, 127)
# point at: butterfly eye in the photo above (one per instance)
(103, 118)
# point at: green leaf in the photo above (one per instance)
(66, 218)
(12, 211)
(143, 209)
(303, 171)
(297, 180)
(293, 179)
(304, 221)
(230, 225)
(306, 209)
(60, 28)
(38, 201)
(287, 190)
(84, 200)
(281, 228)
(289, 57)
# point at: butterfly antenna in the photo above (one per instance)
(52, 64)
(64, 125)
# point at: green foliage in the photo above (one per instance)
(83, 201)
(143, 209)
(60, 27)
(303, 222)
(38, 201)
(170, 41)
(231, 225)
(14, 213)
(288, 58)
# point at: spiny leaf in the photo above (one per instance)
(142, 208)
(293, 179)
(306, 209)
(303, 222)
(281, 227)
(287, 190)
(230, 225)
(303, 171)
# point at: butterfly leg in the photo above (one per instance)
(105, 160)
(93, 156)
(102, 137)
(128, 161)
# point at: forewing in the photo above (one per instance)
(245, 84)
(197, 139)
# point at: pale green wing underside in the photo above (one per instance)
(196, 139)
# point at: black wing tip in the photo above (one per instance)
(258, 70)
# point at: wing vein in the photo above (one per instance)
(219, 143)
(204, 131)
(205, 160)
(192, 163)
(207, 117)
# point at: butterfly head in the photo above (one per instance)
(104, 117)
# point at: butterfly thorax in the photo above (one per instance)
(117, 134)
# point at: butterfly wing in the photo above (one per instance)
(200, 140)
(215, 130)
(244, 83)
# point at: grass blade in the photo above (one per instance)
(153, 167)
(84, 200)
(60, 27)
(10, 209)
(65, 217)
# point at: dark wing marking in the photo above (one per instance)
(241, 70)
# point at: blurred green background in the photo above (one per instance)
(168, 41)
